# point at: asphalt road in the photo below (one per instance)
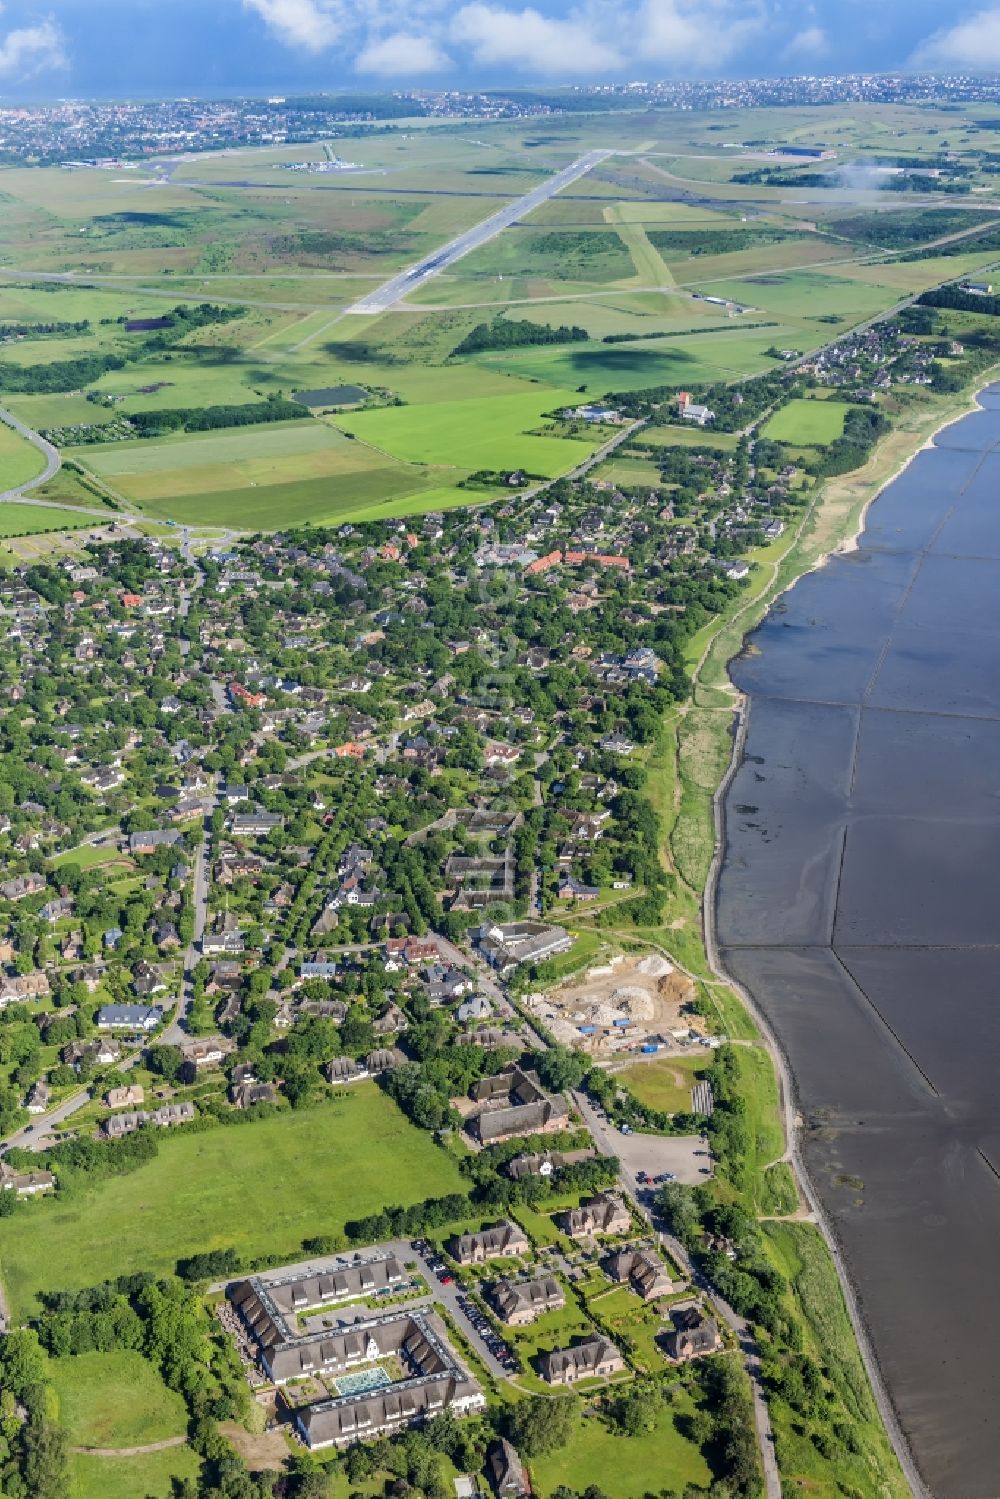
(608, 1141)
(432, 265)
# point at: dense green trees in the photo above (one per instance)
(208, 418)
(543, 1424)
(511, 333)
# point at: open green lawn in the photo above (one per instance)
(147, 1476)
(18, 459)
(482, 433)
(261, 1187)
(804, 423)
(26, 520)
(629, 472)
(115, 1400)
(626, 1467)
(88, 856)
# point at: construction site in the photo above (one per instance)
(630, 1004)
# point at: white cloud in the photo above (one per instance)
(28, 50)
(310, 24)
(973, 43)
(684, 36)
(531, 42)
(402, 55)
(810, 42)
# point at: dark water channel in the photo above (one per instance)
(859, 901)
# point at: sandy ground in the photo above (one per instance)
(628, 1001)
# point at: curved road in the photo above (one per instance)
(53, 462)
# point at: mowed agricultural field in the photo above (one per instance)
(807, 424)
(681, 358)
(494, 432)
(271, 475)
(260, 1187)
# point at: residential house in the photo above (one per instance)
(693, 1335)
(344, 1070)
(643, 1270)
(602, 1214)
(513, 1102)
(497, 1242)
(128, 1018)
(245, 1095)
(519, 1302)
(595, 1358)
(508, 1474)
(129, 1097)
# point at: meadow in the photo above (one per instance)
(154, 1475)
(807, 423)
(115, 1399)
(269, 475)
(690, 357)
(260, 1187)
(626, 1467)
(489, 433)
(25, 520)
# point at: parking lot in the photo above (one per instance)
(686, 1157)
(489, 1344)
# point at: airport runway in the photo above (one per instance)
(407, 281)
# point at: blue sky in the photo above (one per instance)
(149, 47)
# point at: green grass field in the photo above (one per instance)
(491, 432)
(25, 520)
(147, 1476)
(626, 1467)
(807, 423)
(115, 1400)
(260, 1187)
(19, 461)
(691, 356)
(267, 476)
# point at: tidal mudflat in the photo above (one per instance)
(859, 902)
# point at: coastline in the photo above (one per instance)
(850, 543)
(791, 1119)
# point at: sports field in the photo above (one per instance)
(665, 1083)
(807, 423)
(261, 1187)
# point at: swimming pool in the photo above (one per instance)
(361, 1382)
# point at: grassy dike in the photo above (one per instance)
(685, 770)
